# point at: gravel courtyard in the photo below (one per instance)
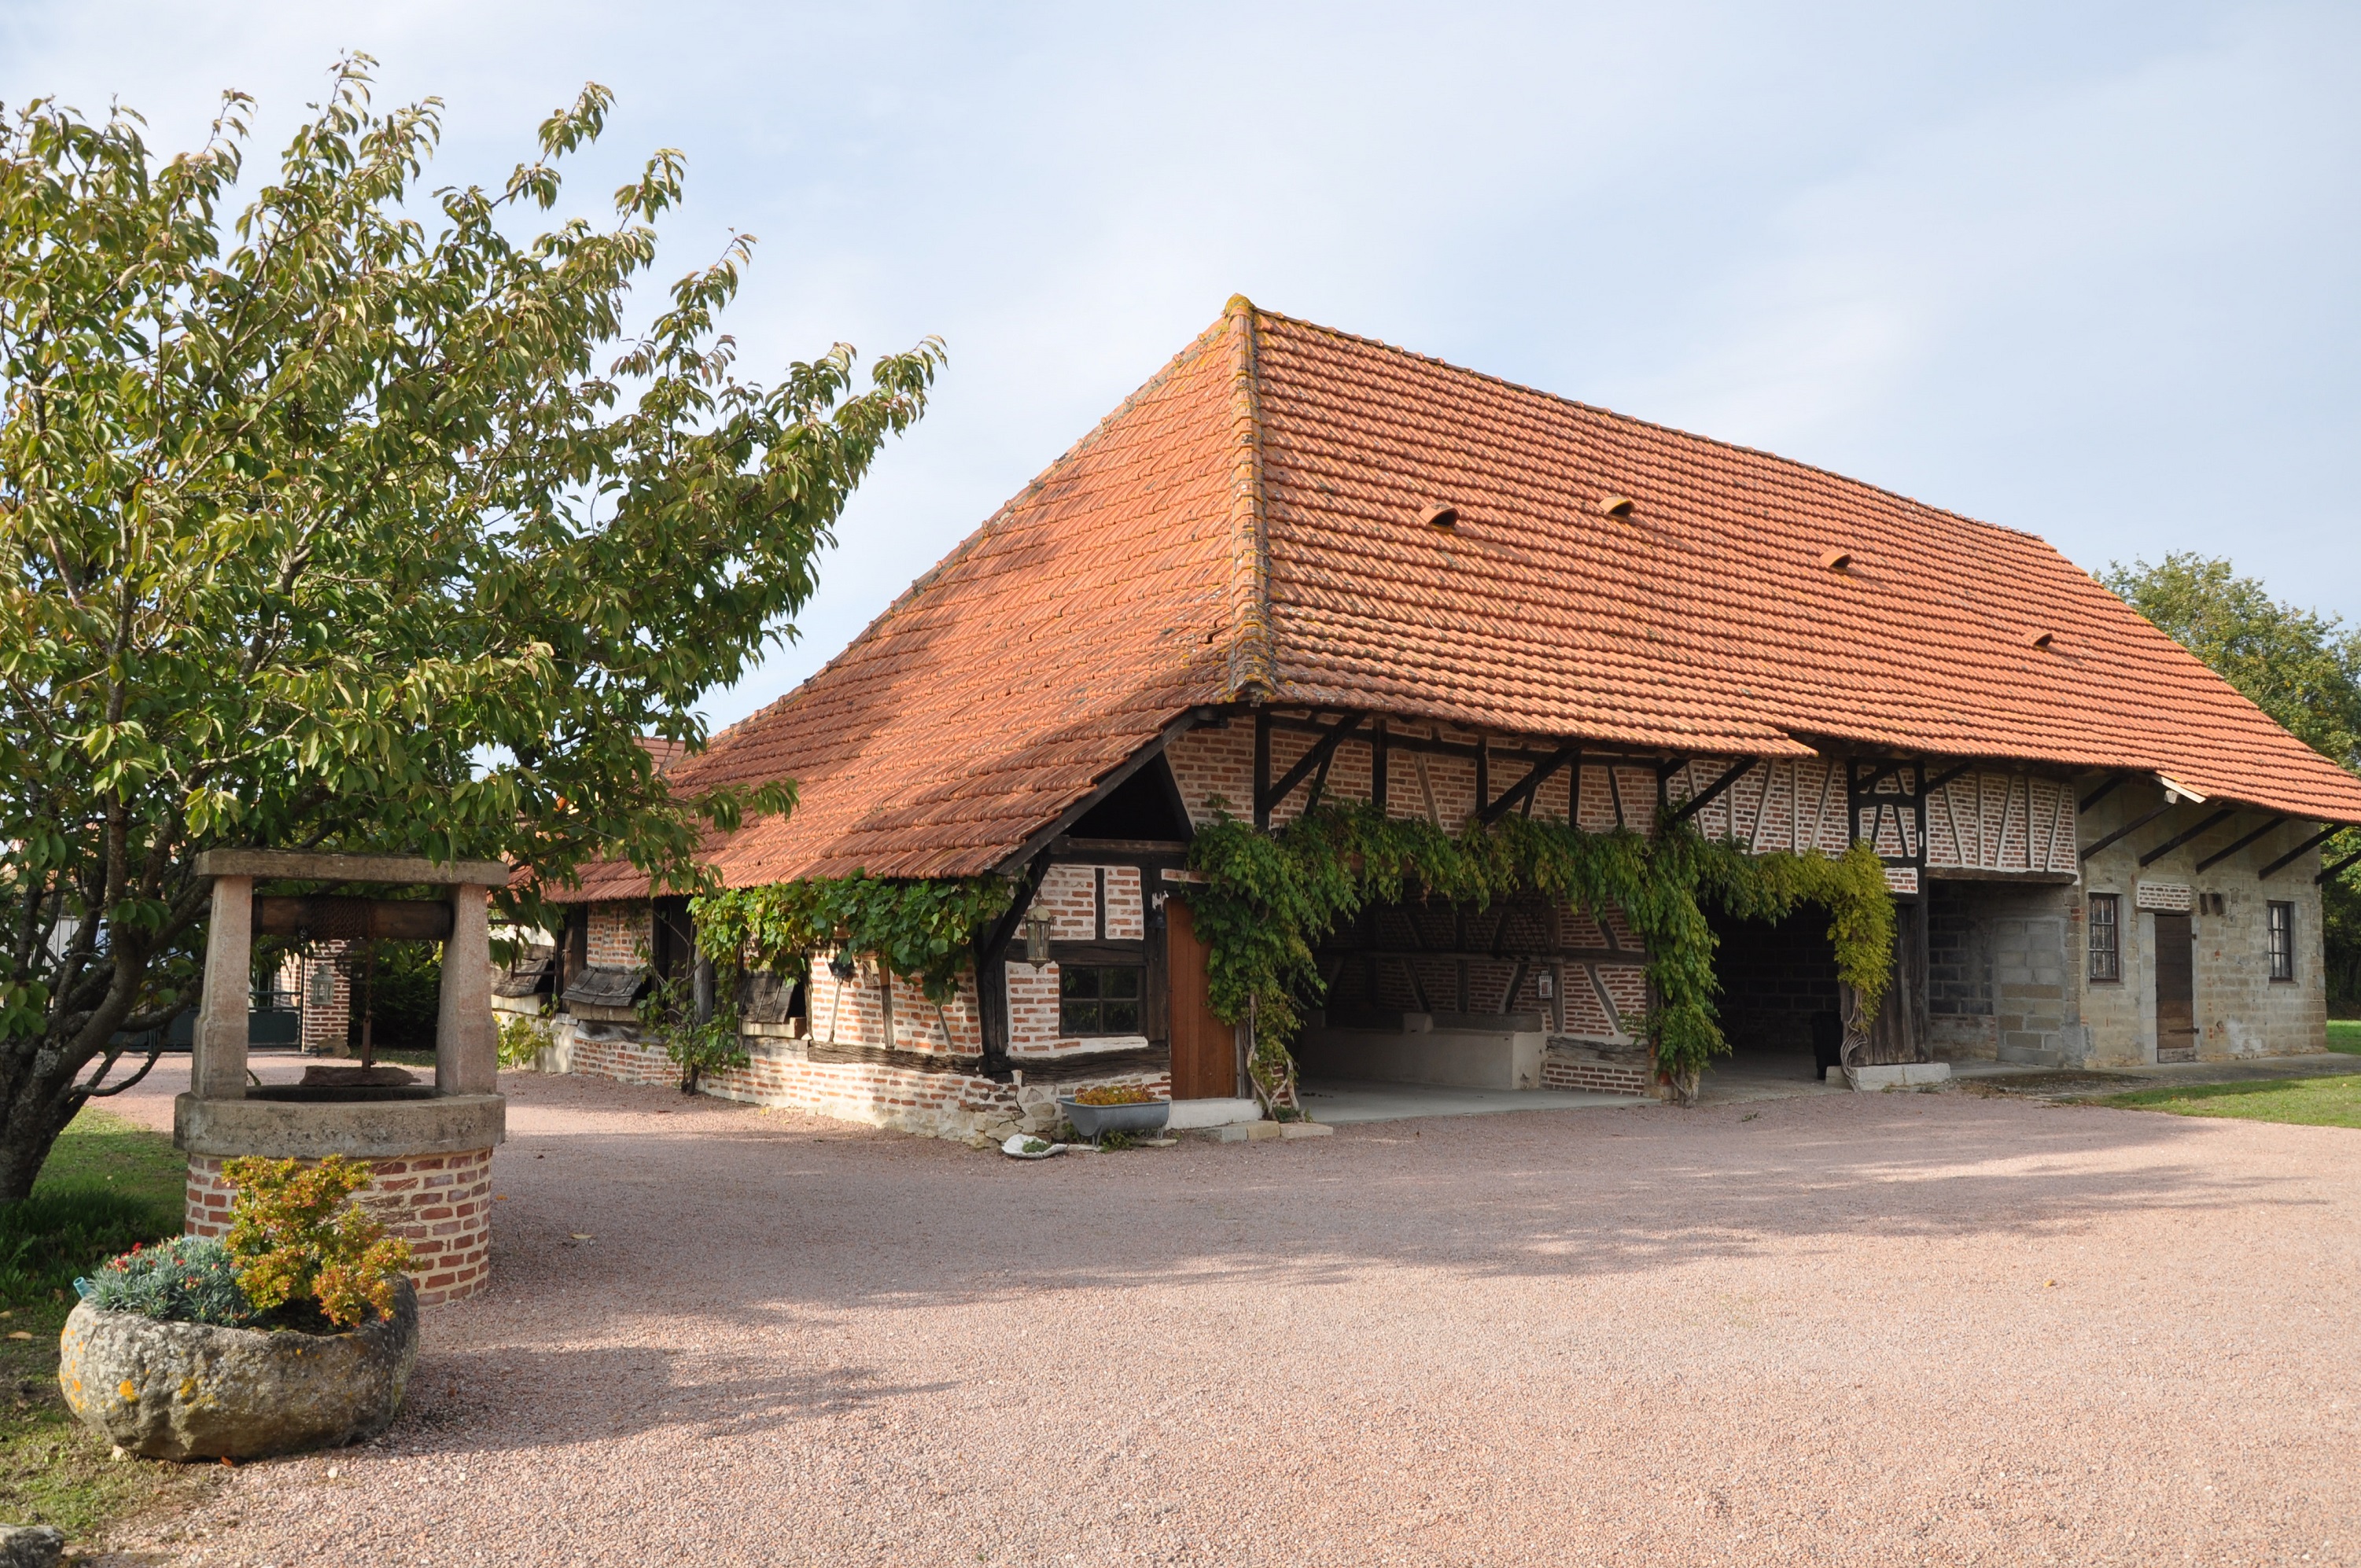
(1851, 1328)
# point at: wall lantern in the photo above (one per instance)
(1037, 940)
(843, 965)
(324, 988)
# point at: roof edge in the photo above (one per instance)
(1252, 668)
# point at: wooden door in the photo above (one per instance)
(1899, 1033)
(1204, 1049)
(2176, 988)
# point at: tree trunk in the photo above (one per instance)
(38, 1104)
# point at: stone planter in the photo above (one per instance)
(1097, 1121)
(195, 1391)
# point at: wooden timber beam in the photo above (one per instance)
(2101, 792)
(2336, 869)
(1465, 750)
(2178, 839)
(1524, 789)
(2315, 841)
(2218, 856)
(1316, 758)
(1711, 793)
(2128, 829)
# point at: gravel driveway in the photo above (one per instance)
(1852, 1328)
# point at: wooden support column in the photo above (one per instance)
(467, 1056)
(218, 1071)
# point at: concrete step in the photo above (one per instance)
(1266, 1131)
(1191, 1115)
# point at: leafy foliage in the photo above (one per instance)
(522, 1039)
(298, 1240)
(2301, 668)
(696, 1047)
(923, 931)
(1270, 897)
(189, 1280)
(322, 525)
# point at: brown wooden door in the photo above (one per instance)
(1899, 1031)
(2176, 990)
(1204, 1049)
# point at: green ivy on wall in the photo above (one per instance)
(922, 931)
(1269, 897)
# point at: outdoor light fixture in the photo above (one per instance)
(324, 988)
(1037, 940)
(843, 965)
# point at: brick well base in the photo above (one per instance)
(440, 1203)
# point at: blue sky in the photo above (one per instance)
(2087, 270)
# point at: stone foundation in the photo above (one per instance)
(440, 1203)
(932, 1103)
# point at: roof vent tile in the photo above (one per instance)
(1615, 506)
(1837, 560)
(1440, 515)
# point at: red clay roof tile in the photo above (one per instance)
(1250, 525)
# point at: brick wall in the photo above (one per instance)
(327, 1029)
(440, 1203)
(620, 933)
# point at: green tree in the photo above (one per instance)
(357, 519)
(2301, 668)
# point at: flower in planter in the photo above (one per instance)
(1115, 1094)
(299, 1243)
(189, 1280)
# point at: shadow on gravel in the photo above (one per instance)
(484, 1401)
(748, 1219)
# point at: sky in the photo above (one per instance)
(2087, 270)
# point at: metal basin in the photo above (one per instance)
(1097, 1121)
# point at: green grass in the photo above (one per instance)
(106, 1185)
(2344, 1035)
(2307, 1101)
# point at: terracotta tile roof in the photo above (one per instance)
(1248, 525)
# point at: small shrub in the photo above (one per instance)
(694, 1049)
(299, 1243)
(1115, 1094)
(189, 1280)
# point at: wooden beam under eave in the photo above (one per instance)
(2178, 839)
(2314, 842)
(2218, 856)
(2128, 829)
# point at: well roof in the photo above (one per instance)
(1247, 526)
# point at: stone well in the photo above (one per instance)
(430, 1148)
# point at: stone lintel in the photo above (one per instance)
(399, 869)
(364, 1129)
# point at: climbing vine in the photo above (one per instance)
(922, 931)
(1269, 897)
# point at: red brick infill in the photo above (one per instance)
(440, 1203)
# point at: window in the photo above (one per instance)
(1098, 999)
(2280, 931)
(2106, 935)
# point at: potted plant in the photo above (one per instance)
(299, 1331)
(1114, 1108)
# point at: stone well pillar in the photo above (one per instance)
(429, 1147)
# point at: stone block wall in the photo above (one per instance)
(2240, 1010)
(440, 1203)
